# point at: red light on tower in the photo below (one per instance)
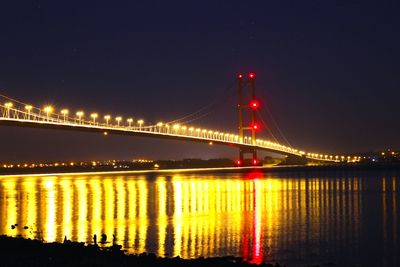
(254, 104)
(252, 75)
(255, 126)
(240, 76)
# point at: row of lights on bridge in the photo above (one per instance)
(80, 114)
(94, 116)
(254, 104)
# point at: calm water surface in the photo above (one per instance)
(341, 218)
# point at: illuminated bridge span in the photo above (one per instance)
(16, 113)
(13, 112)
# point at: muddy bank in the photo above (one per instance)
(27, 252)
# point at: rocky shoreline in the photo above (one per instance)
(27, 252)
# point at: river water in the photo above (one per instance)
(345, 218)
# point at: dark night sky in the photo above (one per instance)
(328, 71)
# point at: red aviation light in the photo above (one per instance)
(254, 104)
(252, 75)
(240, 76)
(255, 126)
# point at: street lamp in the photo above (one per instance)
(8, 105)
(130, 120)
(80, 115)
(226, 136)
(94, 117)
(176, 127)
(160, 124)
(64, 112)
(107, 118)
(204, 131)
(48, 110)
(28, 108)
(140, 122)
(118, 119)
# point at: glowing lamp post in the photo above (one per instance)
(160, 124)
(118, 119)
(226, 137)
(140, 122)
(8, 106)
(80, 115)
(130, 120)
(28, 109)
(176, 128)
(94, 117)
(204, 133)
(64, 112)
(48, 110)
(107, 118)
(198, 130)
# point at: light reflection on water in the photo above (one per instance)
(350, 218)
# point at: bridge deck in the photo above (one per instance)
(40, 119)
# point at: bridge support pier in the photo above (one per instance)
(244, 161)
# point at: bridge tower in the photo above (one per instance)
(243, 108)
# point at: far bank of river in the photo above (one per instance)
(264, 169)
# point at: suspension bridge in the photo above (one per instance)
(17, 113)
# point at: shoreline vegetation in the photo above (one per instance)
(17, 251)
(373, 160)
